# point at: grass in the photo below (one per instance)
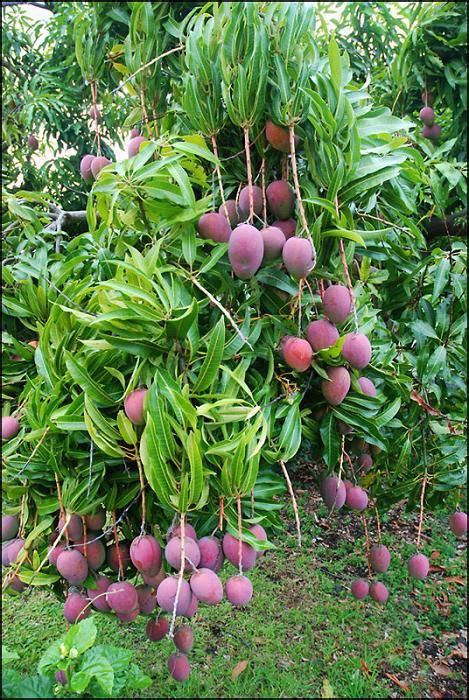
(302, 635)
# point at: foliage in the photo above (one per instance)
(90, 669)
(406, 48)
(307, 592)
(136, 298)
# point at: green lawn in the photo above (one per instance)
(302, 635)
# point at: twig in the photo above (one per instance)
(422, 499)
(222, 309)
(144, 112)
(180, 576)
(46, 558)
(264, 198)
(118, 551)
(293, 499)
(349, 283)
(240, 538)
(220, 181)
(28, 461)
(142, 489)
(147, 65)
(378, 525)
(249, 173)
(222, 514)
(298, 193)
(21, 527)
(367, 545)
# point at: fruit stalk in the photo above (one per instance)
(61, 506)
(46, 558)
(247, 149)
(378, 525)
(298, 193)
(223, 310)
(142, 489)
(220, 181)
(367, 545)
(264, 198)
(144, 112)
(21, 527)
(422, 498)
(222, 514)
(28, 461)
(240, 538)
(349, 283)
(300, 289)
(180, 576)
(94, 98)
(293, 500)
(118, 551)
(85, 537)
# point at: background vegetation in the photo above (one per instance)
(113, 281)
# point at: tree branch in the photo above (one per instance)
(455, 224)
(41, 5)
(6, 64)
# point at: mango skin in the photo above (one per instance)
(75, 608)
(432, 132)
(10, 527)
(234, 216)
(243, 201)
(72, 566)
(178, 667)
(134, 406)
(335, 390)
(357, 350)
(280, 199)
(206, 585)
(231, 551)
(357, 498)
(427, 115)
(33, 143)
(379, 592)
(458, 523)
(215, 227)
(360, 588)
(367, 386)
(297, 353)
(274, 240)
(166, 595)
(98, 164)
(133, 147)
(279, 137)
(321, 334)
(333, 491)
(337, 303)
(245, 251)
(287, 227)
(418, 566)
(380, 558)
(85, 166)
(297, 257)
(122, 597)
(10, 427)
(239, 590)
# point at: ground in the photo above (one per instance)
(303, 635)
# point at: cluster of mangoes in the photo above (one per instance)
(90, 565)
(431, 129)
(336, 493)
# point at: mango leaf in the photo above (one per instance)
(211, 365)
(330, 439)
